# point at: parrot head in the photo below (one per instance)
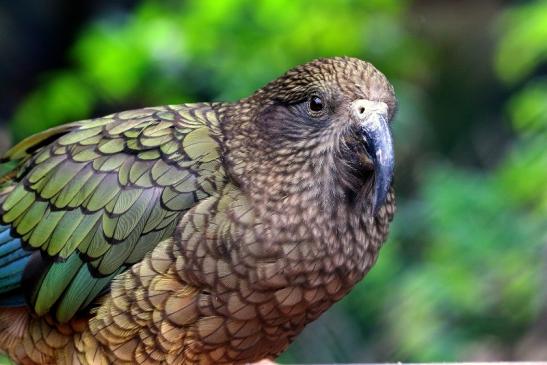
(323, 126)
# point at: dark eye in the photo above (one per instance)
(316, 104)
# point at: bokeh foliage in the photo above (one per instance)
(463, 274)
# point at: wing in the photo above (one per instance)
(91, 198)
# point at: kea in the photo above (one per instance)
(207, 233)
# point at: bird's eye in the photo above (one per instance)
(316, 104)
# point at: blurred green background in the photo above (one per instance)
(463, 276)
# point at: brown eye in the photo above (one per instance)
(316, 104)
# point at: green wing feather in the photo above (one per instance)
(95, 196)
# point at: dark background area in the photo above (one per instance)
(463, 275)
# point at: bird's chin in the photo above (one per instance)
(358, 179)
(365, 163)
(364, 177)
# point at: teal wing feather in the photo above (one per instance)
(91, 198)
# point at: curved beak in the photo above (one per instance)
(373, 121)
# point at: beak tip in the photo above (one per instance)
(381, 190)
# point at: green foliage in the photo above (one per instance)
(62, 98)
(464, 265)
(171, 52)
(525, 32)
(480, 272)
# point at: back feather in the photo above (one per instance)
(89, 199)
